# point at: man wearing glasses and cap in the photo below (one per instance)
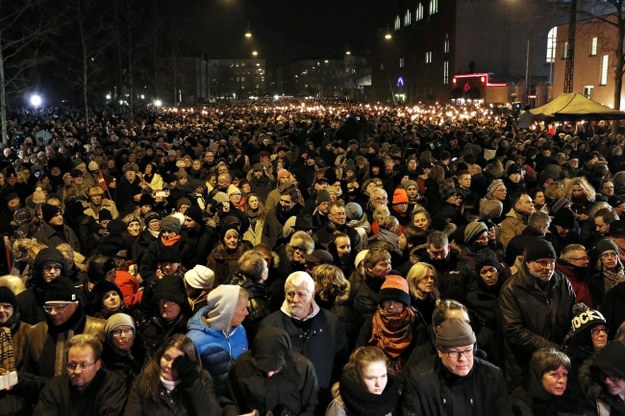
(455, 381)
(46, 353)
(86, 388)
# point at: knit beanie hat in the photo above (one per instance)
(473, 230)
(360, 257)
(610, 359)
(117, 320)
(61, 289)
(564, 218)
(606, 245)
(353, 211)
(146, 200)
(513, 168)
(494, 185)
(232, 190)
(170, 254)
(116, 226)
(283, 173)
(395, 288)
(200, 277)
(539, 249)
(7, 296)
(490, 208)
(486, 257)
(104, 215)
(322, 196)
(195, 213)
(183, 201)
(170, 223)
(152, 216)
(49, 211)
(400, 196)
(454, 332)
(171, 288)
(585, 319)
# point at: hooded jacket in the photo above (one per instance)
(218, 343)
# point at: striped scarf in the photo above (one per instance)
(7, 356)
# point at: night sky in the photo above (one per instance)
(283, 30)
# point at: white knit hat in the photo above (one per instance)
(200, 277)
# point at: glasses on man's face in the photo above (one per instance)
(544, 263)
(59, 307)
(78, 366)
(119, 332)
(614, 379)
(456, 354)
(598, 329)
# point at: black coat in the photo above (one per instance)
(532, 318)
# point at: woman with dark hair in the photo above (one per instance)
(367, 387)
(223, 260)
(547, 389)
(173, 383)
(255, 211)
(341, 249)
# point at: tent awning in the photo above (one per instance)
(573, 107)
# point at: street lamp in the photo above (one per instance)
(248, 33)
(36, 100)
(254, 53)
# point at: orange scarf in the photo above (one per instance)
(392, 333)
(172, 241)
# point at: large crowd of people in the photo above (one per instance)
(311, 258)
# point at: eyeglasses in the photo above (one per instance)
(456, 354)
(583, 258)
(379, 200)
(235, 194)
(74, 366)
(59, 307)
(598, 329)
(545, 262)
(612, 378)
(118, 332)
(338, 214)
(608, 254)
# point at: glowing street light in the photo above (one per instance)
(36, 100)
(254, 53)
(248, 32)
(158, 103)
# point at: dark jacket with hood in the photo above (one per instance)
(31, 300)
(292, 390)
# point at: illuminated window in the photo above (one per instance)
(407, 18)
(605, 61)
(565, 50)
(446, 44)
(397, 23)
(552, 37)
(428, 57)
(401, 62)
(419, 13)
(593, 46)
(445, 72)
(433, 6)
(588, 91)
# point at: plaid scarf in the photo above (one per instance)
(7, 357)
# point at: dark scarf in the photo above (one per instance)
(358, 401)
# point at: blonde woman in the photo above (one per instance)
(423, 285)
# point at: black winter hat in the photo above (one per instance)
(49, 211)
(61, 289)
(610, 359)
(7, 296)
(195, 213)
(170, 254)
(539, 249)
(513, 168)
(171, 288)
(486, 257)
(564, 218)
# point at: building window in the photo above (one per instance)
(433, 6)
(397, 23)
(445, 72)
(593, 46)
(381, 66)
(419, 13)
(552, 37)
(565, 50)
(407, 18)
(446, 44)
(401, 62)
(428, 57)
(605, 61)
(588, 91)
